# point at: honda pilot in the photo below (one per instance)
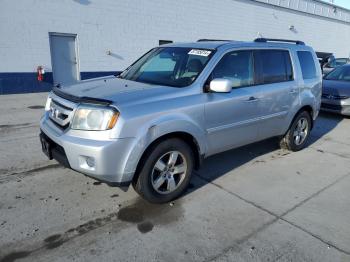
(180, 103)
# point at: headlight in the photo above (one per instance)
(94, 118)
(48, 104)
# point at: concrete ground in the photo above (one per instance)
(256, 203)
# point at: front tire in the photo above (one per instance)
(299, 132)
(165, 172)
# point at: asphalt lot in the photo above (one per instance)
(256, 203)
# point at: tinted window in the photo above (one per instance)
(340, 73)
(307, 64)
(236, 66)
(273, 66)
(341, 61)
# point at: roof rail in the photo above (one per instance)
(213, 40)
(265, 40)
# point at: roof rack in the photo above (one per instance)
(265, 40)
(213, 40)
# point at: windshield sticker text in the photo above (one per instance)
(199, 52)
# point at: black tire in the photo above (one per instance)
(143, 183)
(288, 140)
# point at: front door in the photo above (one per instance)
(232, 118)
(64, 59)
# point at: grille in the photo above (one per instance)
(330, 106)
(334, 97)
(60, 114)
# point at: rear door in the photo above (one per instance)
(231, 118)
(279, 90)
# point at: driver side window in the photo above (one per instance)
(237, 66)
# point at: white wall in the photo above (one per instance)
(129, 28)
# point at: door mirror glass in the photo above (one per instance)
(220, 85)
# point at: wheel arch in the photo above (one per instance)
(306, 108)
(184, 136)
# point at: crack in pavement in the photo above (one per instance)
(20, 137)
(328, 152)
(277, 217)
(18, 175)
(329, 139)
(9, 127)
(236, 245)
(314, 194)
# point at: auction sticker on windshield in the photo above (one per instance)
(199, 52)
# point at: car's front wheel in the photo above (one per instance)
(165, 171)
(296, 137)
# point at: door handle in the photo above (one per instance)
(251, 99)
(293, 91)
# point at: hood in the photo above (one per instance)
(119, 91)
(335, 87)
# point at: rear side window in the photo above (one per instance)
(273, 66)
(307, 64)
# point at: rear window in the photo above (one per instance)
(307, 64)
(273, 66)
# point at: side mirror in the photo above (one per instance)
(220, 85)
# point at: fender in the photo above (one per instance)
(158, 128)
(311, 97)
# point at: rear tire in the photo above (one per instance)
(165, 172)
(296, 137)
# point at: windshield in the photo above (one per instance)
(340, 73)
(341, 61)
(170, 66)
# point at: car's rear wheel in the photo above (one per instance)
(296, 137)
(165, 172)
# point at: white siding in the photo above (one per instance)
(129, 28)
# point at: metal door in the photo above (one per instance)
(232, 118)
(279, 91)
(64, 60)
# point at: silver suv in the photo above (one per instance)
(154, 123)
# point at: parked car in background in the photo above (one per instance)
(327, 61)
(341, 61)
(178, 104)
(336, 91)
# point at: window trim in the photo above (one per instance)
(259, 78)
(237, 50)
(252, 49)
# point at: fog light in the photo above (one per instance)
(90, 161)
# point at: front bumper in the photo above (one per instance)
(105, 160)
(336, 106)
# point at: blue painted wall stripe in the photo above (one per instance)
(26, 82)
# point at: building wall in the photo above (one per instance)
(129, 28)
